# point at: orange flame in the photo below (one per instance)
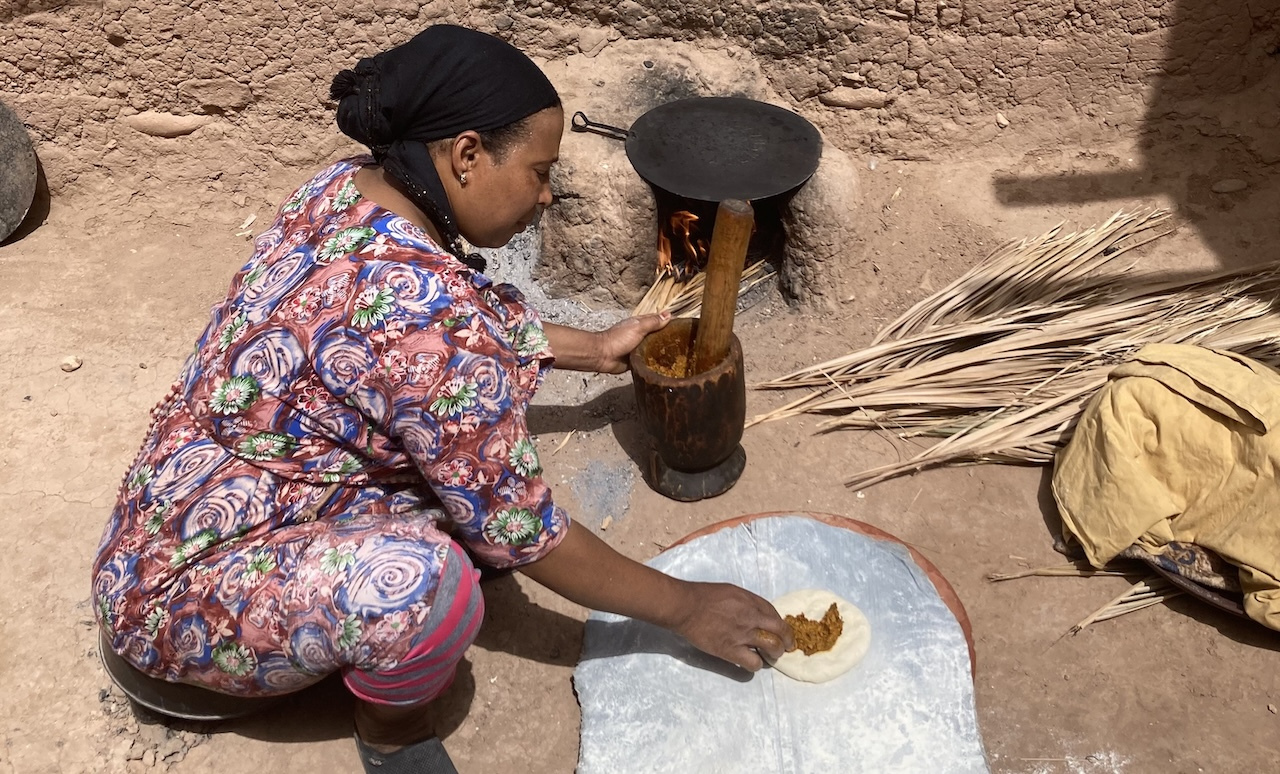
(681, 229)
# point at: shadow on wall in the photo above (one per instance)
(1210, 138)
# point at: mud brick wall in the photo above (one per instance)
(100, 82)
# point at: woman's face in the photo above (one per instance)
(502, 196)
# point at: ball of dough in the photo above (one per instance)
(850, 647)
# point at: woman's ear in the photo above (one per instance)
(466, 152)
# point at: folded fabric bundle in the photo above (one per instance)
(1179, 446)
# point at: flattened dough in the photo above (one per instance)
(849, 649)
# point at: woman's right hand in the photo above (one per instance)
(731, 623)
(717, 618)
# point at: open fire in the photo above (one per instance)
(684, 245)
(681, 230)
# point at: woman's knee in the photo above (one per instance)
(434, 647)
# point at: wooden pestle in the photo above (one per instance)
(735, 221)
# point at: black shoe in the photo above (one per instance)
(427, 757)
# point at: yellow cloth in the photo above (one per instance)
(1181, 444)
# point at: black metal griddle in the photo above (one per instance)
(18, 172)
(716, 148)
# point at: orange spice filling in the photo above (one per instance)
(816, 636)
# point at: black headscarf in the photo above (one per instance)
(444, 81)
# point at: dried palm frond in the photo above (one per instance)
(1001, 363)
(1048, 268)
(683, 297)
(1080, 569)
(1143, 594)
(1150, 591)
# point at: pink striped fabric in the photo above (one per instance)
(430, 666)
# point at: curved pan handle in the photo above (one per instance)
(580, 123)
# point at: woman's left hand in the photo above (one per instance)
(617, 342)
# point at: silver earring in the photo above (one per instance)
(462, 178)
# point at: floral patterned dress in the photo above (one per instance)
(357, 395)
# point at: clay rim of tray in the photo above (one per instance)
(940, 584)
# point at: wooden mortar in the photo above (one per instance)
(690, 388)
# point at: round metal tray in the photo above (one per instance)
(18, 172)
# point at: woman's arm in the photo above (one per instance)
(601, 351)
(718, 618)
(574, 349)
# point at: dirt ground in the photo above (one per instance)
(124, 280)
